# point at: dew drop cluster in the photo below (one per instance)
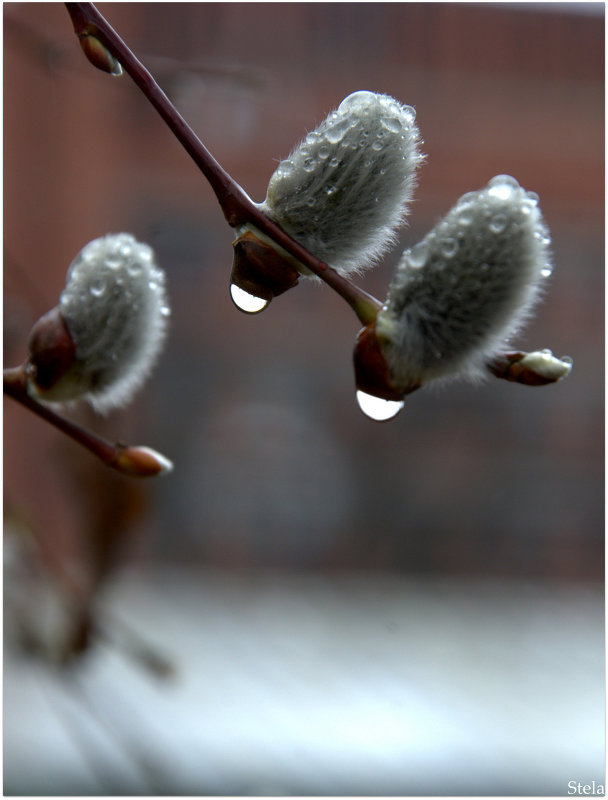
(465, 288)
(115, 269)
(116, 309)
(483, 228)
(344, 190)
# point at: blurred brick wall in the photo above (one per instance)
(275, 465)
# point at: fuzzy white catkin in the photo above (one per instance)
(344, 191)
(115, 307)
(467, 286)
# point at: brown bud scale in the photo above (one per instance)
(99, 55)
(52, 349)
(259, 269)
(372, 374)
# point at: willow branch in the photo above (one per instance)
(237, 206)
(140, 462)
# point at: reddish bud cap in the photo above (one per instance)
(260, 269)
(372, 374)
(52, 350)
(99, 55)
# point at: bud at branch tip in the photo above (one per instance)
(141, 462)
(99, 55)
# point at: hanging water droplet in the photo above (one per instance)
(567, 359)
(329, 190)
(377, 408)
(246, 302)
(498, 223)
(377, 145)
(309, 164)
(334, 162)
(113, 262)
(323, 152)
(546, 271)
(165, 311)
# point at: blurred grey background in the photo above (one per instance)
(413, 607)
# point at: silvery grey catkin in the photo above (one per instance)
(115, 309)
(464, 289)
(344, 191)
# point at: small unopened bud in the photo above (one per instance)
(141, 462)
(102, 340)
(343, 192)
(466, 287)
(99, 55)
(532, 369)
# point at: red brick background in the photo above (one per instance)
(275, 465)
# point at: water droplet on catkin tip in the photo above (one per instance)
(246, 302)
(377, 408)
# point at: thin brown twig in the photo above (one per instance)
(237, 206)
(131, 460)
